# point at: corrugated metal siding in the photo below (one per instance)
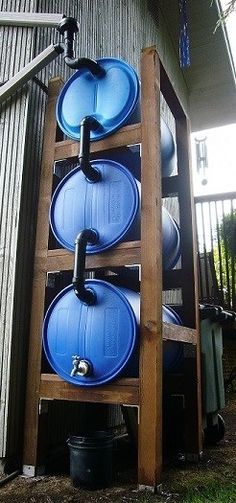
(16, 50)
(119, 28)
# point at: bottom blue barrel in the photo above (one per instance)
(89, 345)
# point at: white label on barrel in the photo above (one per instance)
(61, 331)
(115, 202)
(68, 209)
(111, 331)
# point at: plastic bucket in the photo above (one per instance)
(87, 95)
(91, 459)
(105, 335)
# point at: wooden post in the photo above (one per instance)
(150, 414)
(190, 296)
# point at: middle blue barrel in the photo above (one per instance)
(110, 206)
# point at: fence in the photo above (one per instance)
(216, 235)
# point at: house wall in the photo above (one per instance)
(119, 28)
(16, 50)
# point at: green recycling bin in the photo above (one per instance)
(213, 393)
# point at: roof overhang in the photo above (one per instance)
(211, 78)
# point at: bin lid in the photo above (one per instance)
(110, 98)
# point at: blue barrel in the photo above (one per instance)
(110, 206)
(129, 157)
(89, 345)
(112, 98)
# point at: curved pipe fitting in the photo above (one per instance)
(67, 28)
(87, 124)
(86, 295)
(90, 64)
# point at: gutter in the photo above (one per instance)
(226, 39)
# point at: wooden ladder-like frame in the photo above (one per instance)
(145, 391)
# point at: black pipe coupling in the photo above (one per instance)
(87, 125)
(68, 27)
(86, 295)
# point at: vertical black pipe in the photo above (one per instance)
(87, 124)
(86, 295)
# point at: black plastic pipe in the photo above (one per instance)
(67, 28)
(87, 125)
(86, 295)
(9, 477)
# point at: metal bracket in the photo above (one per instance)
(29, 71)
(67, 27)
(30, 19)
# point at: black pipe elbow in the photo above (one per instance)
(88, 64)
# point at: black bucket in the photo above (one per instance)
(91, 459)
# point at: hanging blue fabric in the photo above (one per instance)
(184, 53)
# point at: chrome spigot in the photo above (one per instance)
(81, 367)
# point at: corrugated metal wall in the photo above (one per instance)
(16, 49)
(119, 28)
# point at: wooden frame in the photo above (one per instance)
(147, 390)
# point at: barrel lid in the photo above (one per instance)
(170, 240)
(110, 98)
(104, 334)
(108, 206)
(168, 159)
(130, 157)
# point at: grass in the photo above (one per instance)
(210, 494)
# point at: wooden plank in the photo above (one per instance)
(38, 293)
(124, 254)
(122, 391)
(193, 407)
(179, 333)
(170, 95)
(128, 135)
(150, 425)
(170, 186)
(172, 279)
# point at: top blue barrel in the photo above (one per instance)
(113, 99)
